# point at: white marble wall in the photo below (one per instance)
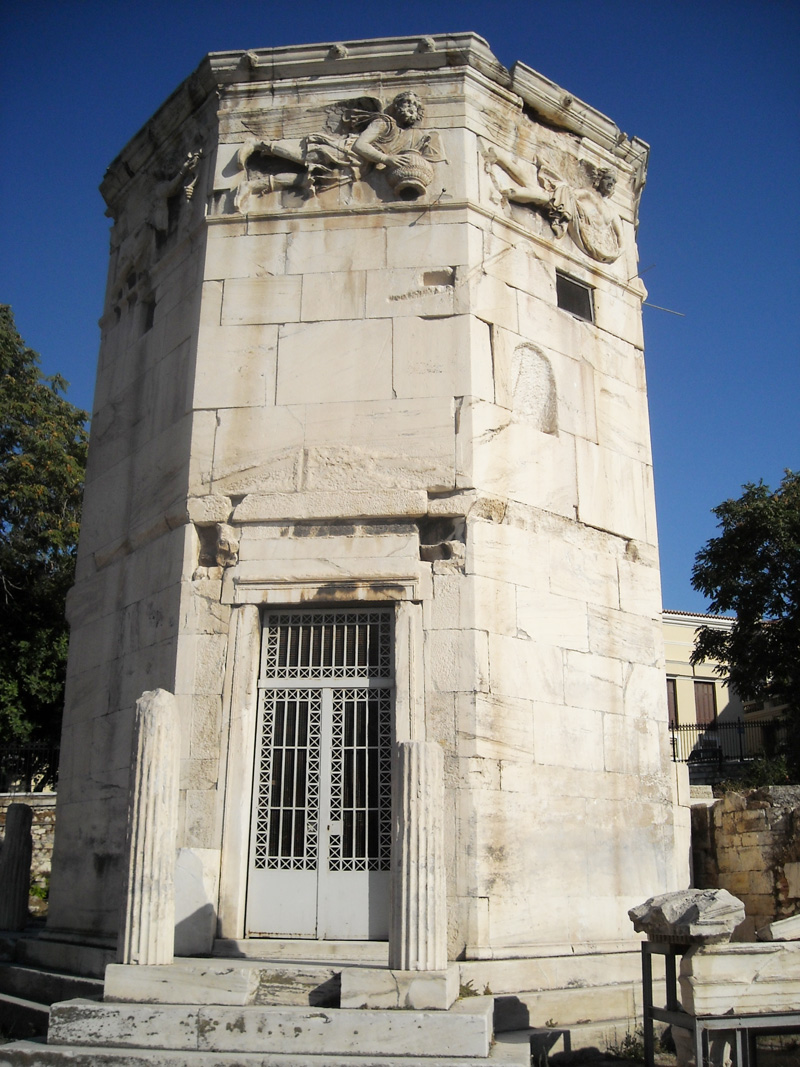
(332, 376)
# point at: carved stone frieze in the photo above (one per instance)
(360, 136)
(573, 203)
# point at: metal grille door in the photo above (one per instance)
(321, 824)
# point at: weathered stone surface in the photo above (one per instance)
(196, 896)
(465, 1031)
(331, 505)
(69, 956)
(263, 300)
(508, 1050)
(746, 842)
(78, 1022)
(706, 915)
(182, 982)
(226, 982)
(347, 360)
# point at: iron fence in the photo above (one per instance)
(28, 768)
(723, 742)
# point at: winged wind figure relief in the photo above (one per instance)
(360, 135)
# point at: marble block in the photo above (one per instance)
(781, 930)
(381, 987)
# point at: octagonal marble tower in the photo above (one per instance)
(370, 464)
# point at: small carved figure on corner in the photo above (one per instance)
(227, 547)
(185, 178)
(218, 549)
(160, 212)
(578, 210)
(362, 136)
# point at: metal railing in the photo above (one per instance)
(722, 742)
(29, 768)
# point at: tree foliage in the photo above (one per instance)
(43, 442)
(753, 570)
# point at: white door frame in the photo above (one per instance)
(319, 854)
(240, 701)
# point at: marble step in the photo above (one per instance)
(541, 973)
(214, 981)
(22, 1018)
(69, 957)
(464, 1030)
(45, 987)
(565, 1006)
(276, 948)
(510, 1050)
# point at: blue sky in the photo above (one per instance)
(713, 87)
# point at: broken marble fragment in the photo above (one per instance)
(705, 915)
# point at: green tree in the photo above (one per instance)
(43, 442)
(753, 570)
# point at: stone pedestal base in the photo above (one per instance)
(741, 978)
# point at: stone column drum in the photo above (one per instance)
(147, 933)
(418, 936)
(15, 868)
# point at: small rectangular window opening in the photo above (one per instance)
(705, 702)
(148, 314)
(672, 701)
(574, 296)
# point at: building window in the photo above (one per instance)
(672, 701)
(574, 296)
(705, 702)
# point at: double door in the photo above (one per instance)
(320, 836)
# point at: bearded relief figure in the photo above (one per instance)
(584, 215)
(362, 136)
(578, 210)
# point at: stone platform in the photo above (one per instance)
(84, 1032)
(465, 1031)
(245, 1009)
(508, 1051)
